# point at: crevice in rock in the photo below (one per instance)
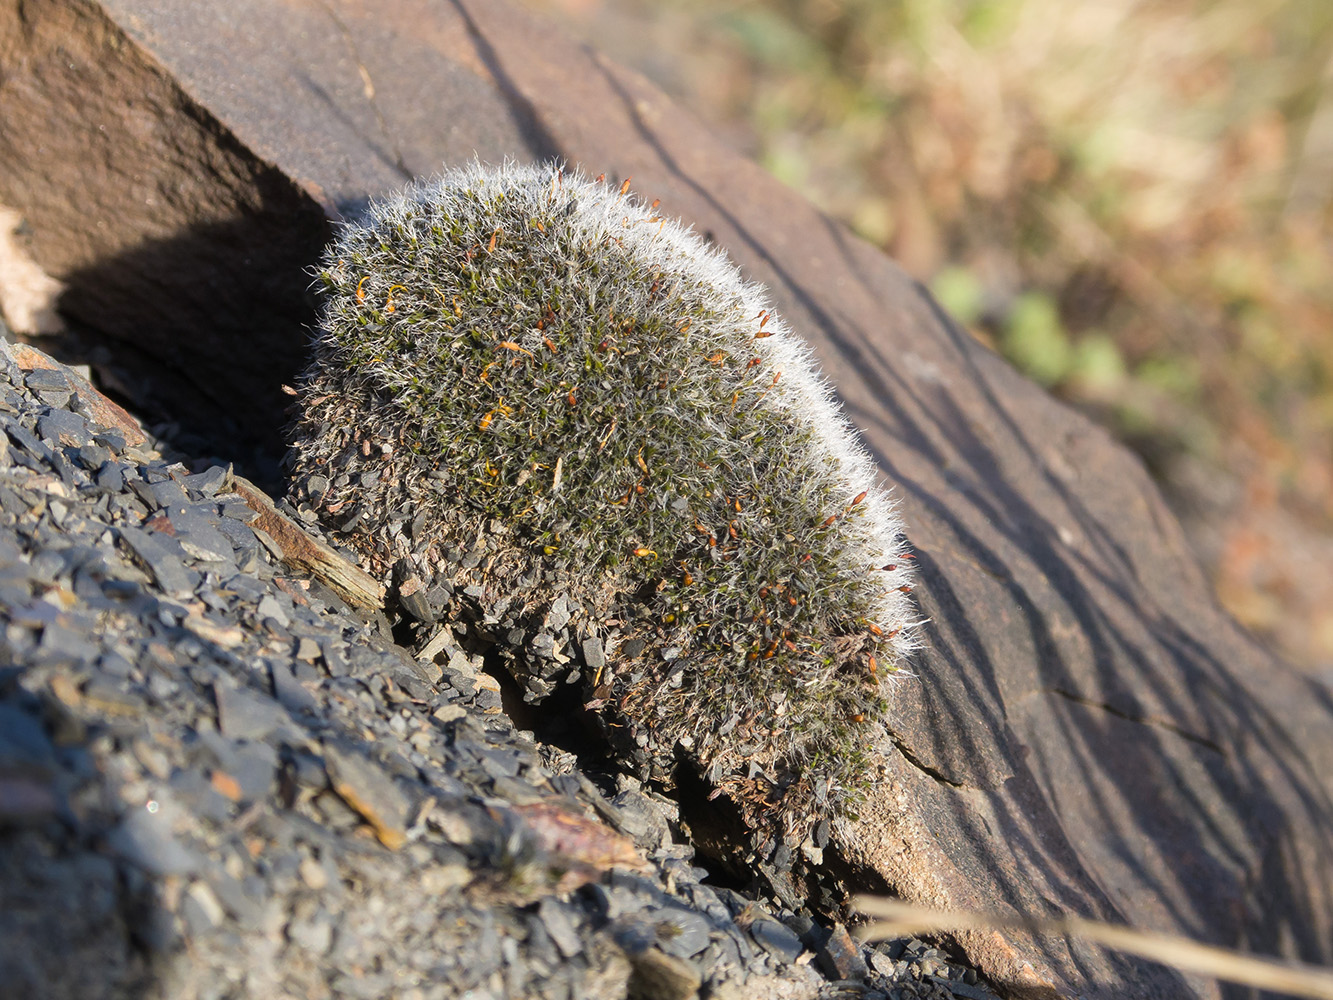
(920, 764)
(1121, 714)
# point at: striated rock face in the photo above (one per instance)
(1086, 731)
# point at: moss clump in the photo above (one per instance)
(539, 406)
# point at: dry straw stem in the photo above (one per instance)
(899, 919)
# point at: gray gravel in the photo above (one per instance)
(216, 780)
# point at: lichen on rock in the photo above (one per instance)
(537, 405)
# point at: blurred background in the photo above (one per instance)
(1128, 199)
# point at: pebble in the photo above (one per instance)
(255, 795)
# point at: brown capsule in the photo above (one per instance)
(656, 202)
(624, 188)
(688, 579)
(643, 552)
(490, 247)
(550, 345)
(829, 520)
(873, 666)
(859, 497)
(360, 289)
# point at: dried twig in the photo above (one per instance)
(302, 551)
(899, 919)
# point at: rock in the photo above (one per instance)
(1085, 731)
(840, 956)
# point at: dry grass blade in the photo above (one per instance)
(898, 919)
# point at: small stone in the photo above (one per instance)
(448, 713)
(23, 740)
(365, 787)
(593, 654)
(839, 956)
(61, 644)
(47, 379)
(64, 429)
(822, 833)
(412, 598)
(681, 932)
(270, 607)
(244, 714)
(111, 439)
(26, 799)
(291, 693)
(198, 537)
(206, 483)
(777, 940)
(200, 910)
(311, 927)
(555, 917)
(313, 874)
(169, 571)
(168, 493)
(144, 838)
(640, 817)
(111, 477)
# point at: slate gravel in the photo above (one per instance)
(216, 780)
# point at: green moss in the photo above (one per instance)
(536, 368)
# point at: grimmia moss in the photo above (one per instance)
(541, 407)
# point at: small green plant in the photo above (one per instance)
(567, 419)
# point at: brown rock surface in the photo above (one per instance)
(1085, 733)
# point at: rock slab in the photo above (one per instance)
(1086, 732)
